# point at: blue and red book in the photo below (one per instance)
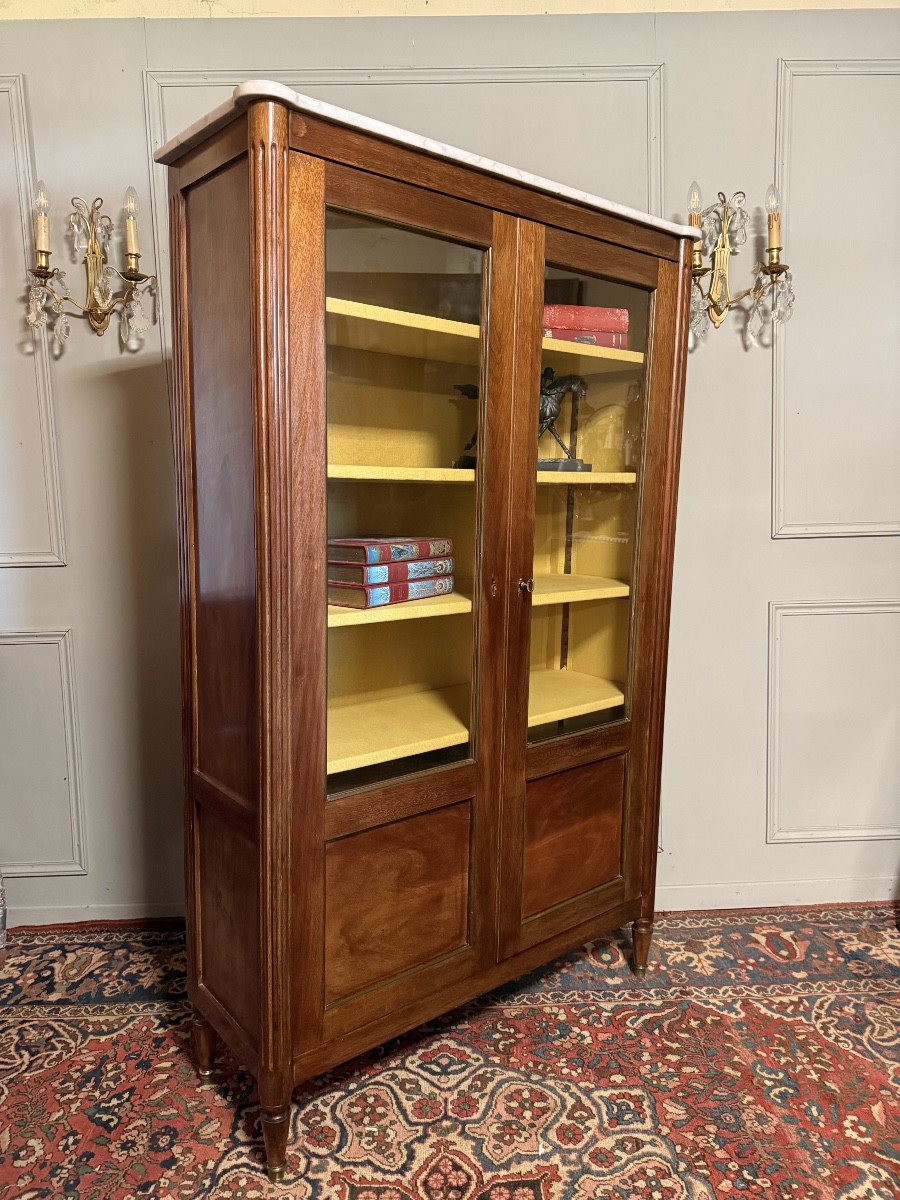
(370, 572)
(387, 549)
(353, 595)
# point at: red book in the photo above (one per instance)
(590, 337)
(387, 549)
(351, 595)
(583, 316)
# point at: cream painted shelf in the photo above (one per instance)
(392, 331)
(414, 335)
(569, 589)
(580, 478)
(408, 610)
(578, 357)
(401, 474)
(452, 475)
(373, 731)
(554, 695)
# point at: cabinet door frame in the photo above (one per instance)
(630, 736)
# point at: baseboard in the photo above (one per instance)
(670, 898)
(776, 894)
(67, 914)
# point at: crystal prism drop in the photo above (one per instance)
(754, 323)
(79, 232)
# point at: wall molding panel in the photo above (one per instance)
(783, 524)
(157, 83)
(825, 715)
(75, 861)
(34, 344)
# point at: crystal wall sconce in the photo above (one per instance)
(91, 229)
(723, 228)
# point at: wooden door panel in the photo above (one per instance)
(573, 834)
(396, 898)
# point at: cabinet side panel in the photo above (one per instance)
(225, 673)
(228, 910)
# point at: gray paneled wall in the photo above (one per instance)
(782, 757)
(31, 527)
(837, 416)
(40, 756)
(833, 686)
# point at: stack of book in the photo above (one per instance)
(368, 572)
(583, 323)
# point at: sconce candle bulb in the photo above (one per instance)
(695, 203)
(41, 218)
(773, 212)
(695, 217)
(132, 208)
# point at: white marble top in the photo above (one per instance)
(265, 89)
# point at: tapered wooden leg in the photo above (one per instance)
(642, 932)
(276, 1121)
(204, 1040)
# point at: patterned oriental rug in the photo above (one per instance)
(759, 1058)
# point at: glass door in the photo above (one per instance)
(585, 641)
(590, 427)
(404, 433)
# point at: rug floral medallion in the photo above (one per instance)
(759, 1058)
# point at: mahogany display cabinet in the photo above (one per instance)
(393, 808)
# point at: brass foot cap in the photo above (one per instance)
(640, 972)
(205, 1074)
(276, 1174)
